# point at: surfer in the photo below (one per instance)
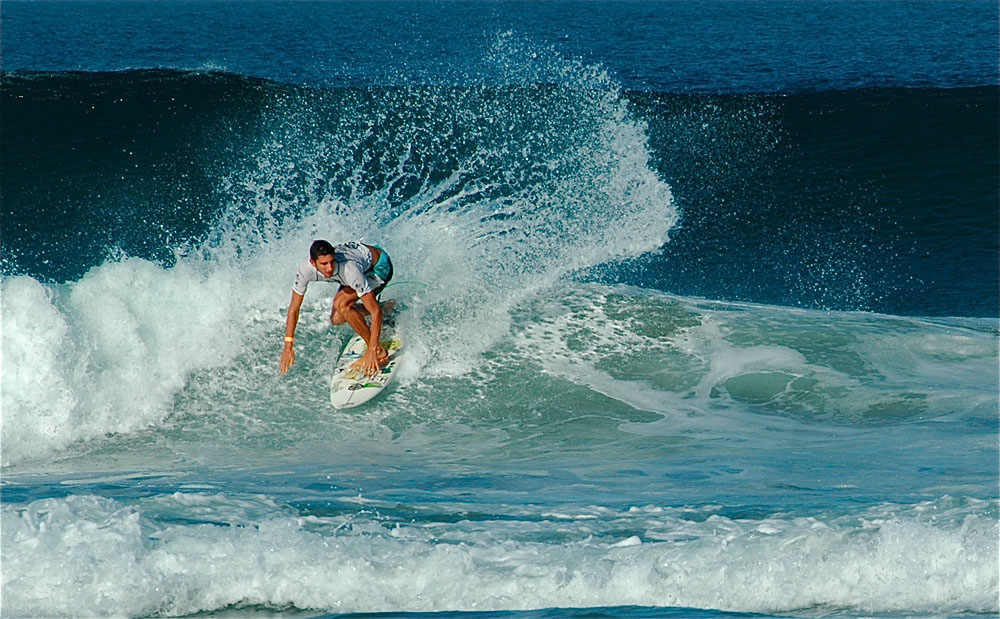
(362, 272)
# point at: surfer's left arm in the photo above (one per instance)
(291, 319)
(371, 362)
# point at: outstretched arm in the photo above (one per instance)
(291, 319)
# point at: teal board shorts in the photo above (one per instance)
(382, 270)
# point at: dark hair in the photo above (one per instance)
(320, 248)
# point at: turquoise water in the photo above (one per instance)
(701, 322)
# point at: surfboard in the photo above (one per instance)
(349, 387)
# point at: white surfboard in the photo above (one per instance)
(349, 387)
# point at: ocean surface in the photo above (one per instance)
(700, 297)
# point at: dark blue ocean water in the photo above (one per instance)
(700, 300)
(689, 46)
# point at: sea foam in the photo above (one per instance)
(185, 553)
(106, 354)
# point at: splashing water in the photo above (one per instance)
(486, 194)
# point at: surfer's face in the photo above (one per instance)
(324, 264)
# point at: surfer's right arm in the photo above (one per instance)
(291, 319)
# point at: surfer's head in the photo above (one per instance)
(321, 257)
(320, 248)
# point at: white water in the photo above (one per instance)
(185, 552)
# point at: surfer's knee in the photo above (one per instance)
(341, 304)
(336, 318)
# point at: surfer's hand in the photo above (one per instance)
(371, 362)
(287, 359)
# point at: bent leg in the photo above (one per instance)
(336, 318)
(344, 310)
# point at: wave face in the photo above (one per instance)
(825, 200)
(669, 352)
(874, 199)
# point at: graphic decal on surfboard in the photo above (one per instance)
(349, 387)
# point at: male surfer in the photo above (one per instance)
(362, 272)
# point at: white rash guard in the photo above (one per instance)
(351, 261)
